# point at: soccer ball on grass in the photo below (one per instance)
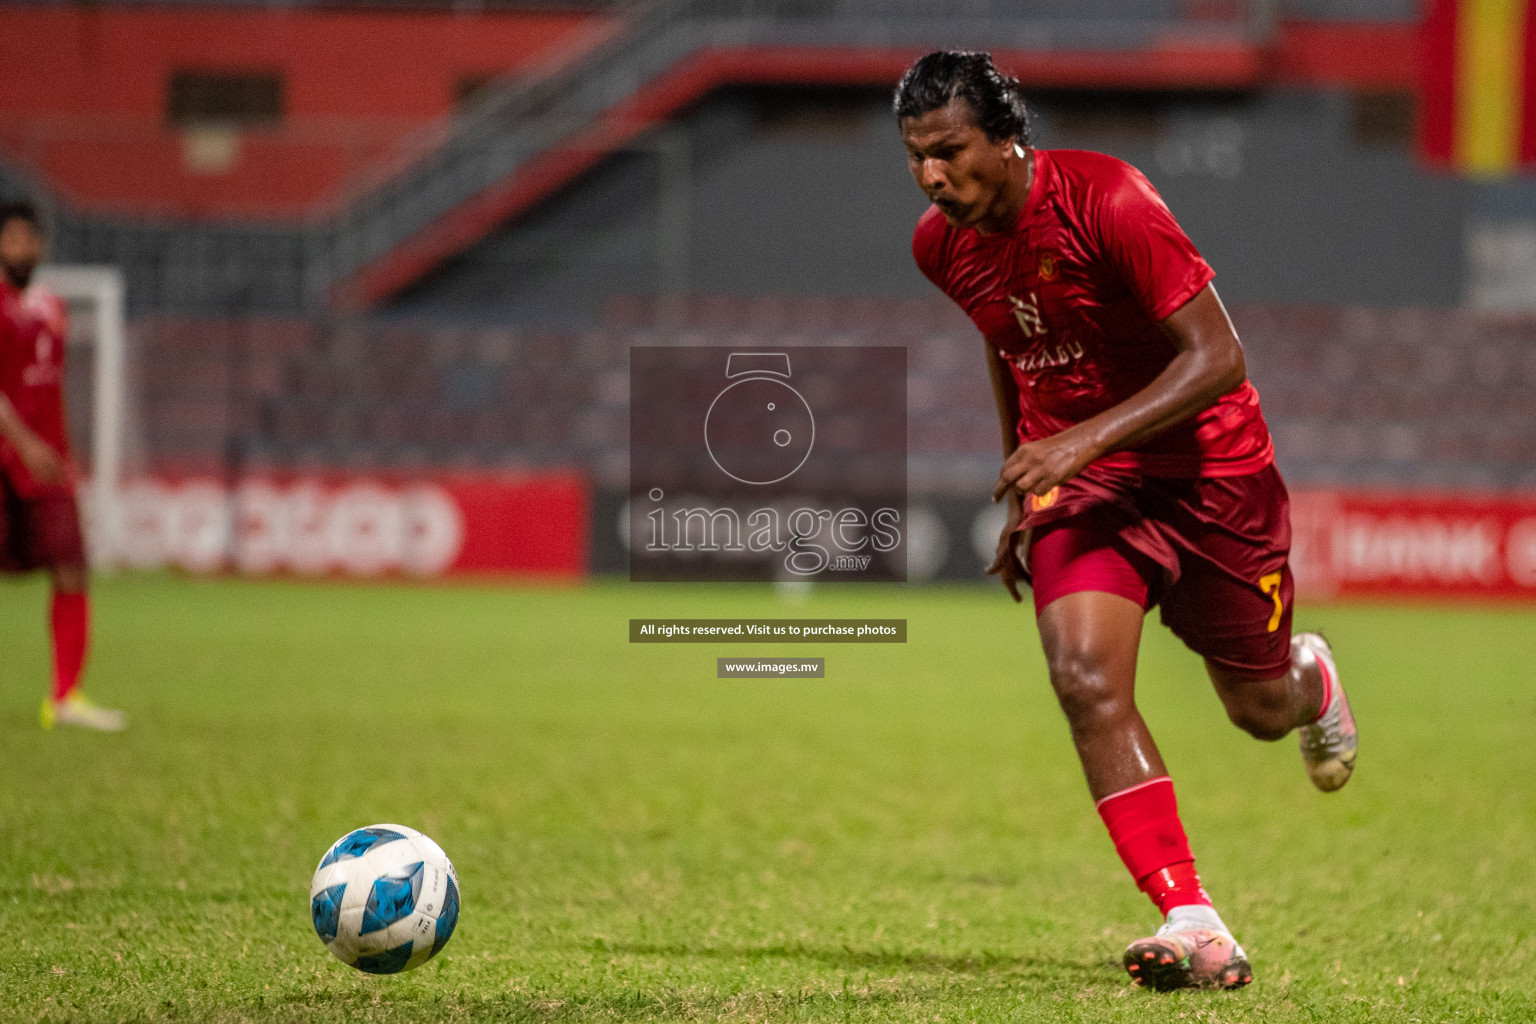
(384, 899)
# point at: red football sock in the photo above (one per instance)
(71, 624)
(1143, 822)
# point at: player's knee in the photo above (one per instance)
(1085, 686)
(70, 578)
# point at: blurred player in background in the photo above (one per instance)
(39, 521)
(1138, 470)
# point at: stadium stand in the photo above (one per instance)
(418, 186)
(240, 114)
(446, 267)
(1408, 398)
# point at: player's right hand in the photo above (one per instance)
(1005, 565)
(46, 465)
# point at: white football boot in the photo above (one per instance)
(1193, 949)
(78, 710)
(1329, 744)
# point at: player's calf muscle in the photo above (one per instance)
(1268, 709)
(1263, 718)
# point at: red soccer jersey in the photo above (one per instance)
(33, 326)
(1071, 298)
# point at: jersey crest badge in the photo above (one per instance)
(1047, 267)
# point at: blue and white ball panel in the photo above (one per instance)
(359, 842)
(448, 920)
(384, 899)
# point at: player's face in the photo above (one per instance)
(960, 170)
(21, 247)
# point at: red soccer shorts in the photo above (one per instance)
(38, 532)
(1211, 552)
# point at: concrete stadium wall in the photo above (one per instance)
(83, 99)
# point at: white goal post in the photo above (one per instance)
(101, 289)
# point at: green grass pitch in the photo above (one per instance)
(908, 839)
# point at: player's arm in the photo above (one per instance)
(46, 465)
(1209, 363)
(1005, 390)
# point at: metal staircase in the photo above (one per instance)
(577, 109)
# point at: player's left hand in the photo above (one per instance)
(1037, 466)
(1004, 565)
(46, 465)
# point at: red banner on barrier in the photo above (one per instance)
(359, 526)
(1415, 545)
(1345, 544)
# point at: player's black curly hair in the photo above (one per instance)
(944, 75)
(19, 209)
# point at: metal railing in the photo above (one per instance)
(521, 119)
(233, 267)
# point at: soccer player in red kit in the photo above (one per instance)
(39, 522)
(1138, 470)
